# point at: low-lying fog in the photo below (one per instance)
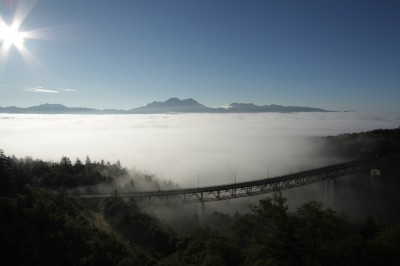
(182, 147)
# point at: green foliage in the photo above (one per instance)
(389, 239)
(368, 144)
(269, 234)
(136, 226)
(38, 227)
(41, 228)
(204, 248)
(311, 236)
(318, 231)
(220, 222)
(370, 228)
(16, 173)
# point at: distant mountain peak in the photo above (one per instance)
(172, 105)
(50, 105)
(176, 100)
(173, 100)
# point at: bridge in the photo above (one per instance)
(255, 187)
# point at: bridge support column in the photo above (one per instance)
(329, 190)
(375, 173)
(202, 210)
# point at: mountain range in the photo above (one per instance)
(172, 105)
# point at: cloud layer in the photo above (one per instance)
(182, 146)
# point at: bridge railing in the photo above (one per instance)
(255, 187)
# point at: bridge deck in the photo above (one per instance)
(255, 187)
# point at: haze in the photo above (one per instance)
(183, 147)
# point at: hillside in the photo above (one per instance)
(363, 145)
(41, 224)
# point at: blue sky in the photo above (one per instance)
(338, 55)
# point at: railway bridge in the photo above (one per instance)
(255, 187)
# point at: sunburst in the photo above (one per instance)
(11, 37)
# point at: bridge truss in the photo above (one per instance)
(256, 187)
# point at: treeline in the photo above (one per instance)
(15, 173)
(78, 177)
(380, 142)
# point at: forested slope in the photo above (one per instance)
(40, 224)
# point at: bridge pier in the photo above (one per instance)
(202, 213)
(375, 174)
(329, 190)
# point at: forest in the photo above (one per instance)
(42, 224)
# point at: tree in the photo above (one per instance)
(318, 231)
(87, 161)
(66, 165)
(268, 234)
(369, 229)
(138, 227)
(78, 166)
(4, 161)
(65, 161)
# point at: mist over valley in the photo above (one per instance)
(183, 147)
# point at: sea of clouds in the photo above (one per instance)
(187, 148)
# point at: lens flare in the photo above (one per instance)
(10, 36)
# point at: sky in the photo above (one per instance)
(336, 55)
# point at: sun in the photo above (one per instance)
(12, 39)
(10, 36)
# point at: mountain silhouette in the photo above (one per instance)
(252, 108)
(172, 105)
(175, 105)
